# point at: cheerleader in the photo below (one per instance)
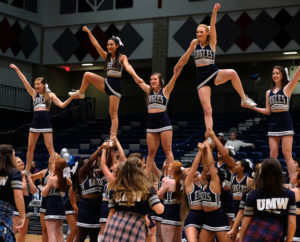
(158, 124)
(55, 209)
(28, 189)
(171, 193)
(114, 64)
(225, 163)
(43, 175)
(193, 187)
(215, 220)
(270, 208)
(207, 73)
(41, 123)
(280, 122)
(71, 210)
(131, 198)
(89, 187)
(241, 181)
(11, 194)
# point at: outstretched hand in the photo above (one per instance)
(217, 6)
(209, 133)
(13, 66)
(85, 29)
(201, 146)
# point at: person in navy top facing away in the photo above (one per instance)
(158, 124)
(270, 208)
(207, 73)
(280, 123)
(28, 189)
(55, 209)
(131, 198)
(41, 123)
(11, 194)
(114, 64)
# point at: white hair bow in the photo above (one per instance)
(250, 163)
(231, 148)
(67, 171)
(47, 88)
(287, 73)
(120, 41)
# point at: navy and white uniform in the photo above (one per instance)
(158, 122)
(55, 208)
(171, 215)
(297, 233)
(44, 199)
(41, 122)
(211, 199)
(226, 196)
(27, 200)
(205, 75)
(113, 84)
(68, 206)
(8, 183)
(280, 123)
(238, 189)
(89, 209)
(104, 204)
(195, 217)
(154, 215)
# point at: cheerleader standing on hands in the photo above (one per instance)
(114, 64)
(207, 73)
(41, 123)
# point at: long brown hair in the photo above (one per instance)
(131, 182)
(284, 79)
(60, 165)
(161, 82)
(6, 159)
(118, 54)
(177, 174)
(207, 42)
(46, 93)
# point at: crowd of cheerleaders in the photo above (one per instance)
(111, 197)
(127, 199)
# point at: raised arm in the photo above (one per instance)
(169, 87)
(32, 187)
(266, 110)
(195, 165)
(109, 176)
(184, 59)
(228, 160)
(212, 31)
(26, 84)
(38, 175)
(122, 156)
(50, 183)
(289, 88)
(58, 102)
(95, 43)
(84, 169)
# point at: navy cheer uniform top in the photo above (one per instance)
(157, 100)
(113, 81)
(280, 123)
(204, 55)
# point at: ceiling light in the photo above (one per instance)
(290, 52)
(87, 64)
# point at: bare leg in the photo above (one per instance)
(229, 74)
(22, 232)
(274, 146)
(222, 236)
(152, 143)
(71, 219)
(204, 94)
(158, 229)
(191, 234)
(168, 232)
(177, 234)
(206, 235)
(287, 144)
(152, 237)
(32, 139)
(44, 229)
(51, 230)
(59, 230)
(113, 112)
(166, 143)
(48, 139)
(91, 78)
